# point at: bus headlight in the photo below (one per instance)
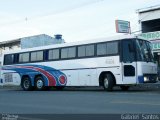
(146, 79)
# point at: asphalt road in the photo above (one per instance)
(79, 101)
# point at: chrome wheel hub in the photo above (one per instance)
(26, 84)
(39, 84)
(106, 83)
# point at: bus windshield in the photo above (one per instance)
(144, 51)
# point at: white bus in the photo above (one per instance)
(118, 61)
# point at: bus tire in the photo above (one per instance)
(108, 82)
(26, 84)
(124, 88)
(39, 83)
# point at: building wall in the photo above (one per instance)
(150, 26)
(149, 15)
(150, 20)
(40, 40)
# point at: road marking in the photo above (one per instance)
(135, 103)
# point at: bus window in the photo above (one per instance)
(72, 52)
(86, 51)
(53, 54)
(23, 57)
(68, 52)
(37, 56)
(128, 55)
(8, 59)
(101, 49)
(90, 50)
(64, 52)
(81, 51)
(144, 51)
(112, 48)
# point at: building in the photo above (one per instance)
(9, 45)
(149, 19)
(29, 42)
(40, 40)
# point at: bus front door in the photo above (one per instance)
(129, 65)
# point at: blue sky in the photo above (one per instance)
(75, 19)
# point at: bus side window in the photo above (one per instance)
(72, 52)
(101, 49)
(64, 53)
(90, 50)
(112, 48)
(8, 59)
(53, 54)
(68, 52)
(81, 51)
(37, 56)
(23, 57)
(86, 51)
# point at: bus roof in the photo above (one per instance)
(73, 43)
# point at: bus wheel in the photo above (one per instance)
(124, 88)
(39, 83)
(108, 82)
(26, 84)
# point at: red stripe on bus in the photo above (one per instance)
(51, 79)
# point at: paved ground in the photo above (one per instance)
(80, 100)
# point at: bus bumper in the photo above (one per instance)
(148, 78)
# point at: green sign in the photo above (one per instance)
(152, 36)
(155, 46)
